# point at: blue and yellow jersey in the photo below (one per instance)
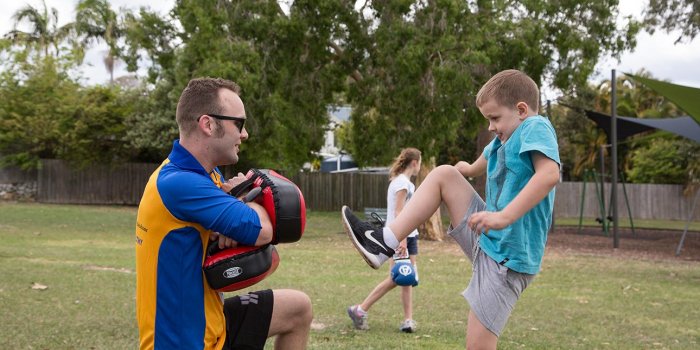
(181, 205)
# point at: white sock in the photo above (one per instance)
(390, 238)
(360, 311)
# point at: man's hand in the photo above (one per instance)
(233, 182)
(224, 242)
(484, 221)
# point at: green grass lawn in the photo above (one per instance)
(85, 257)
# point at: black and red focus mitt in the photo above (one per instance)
(282, 201)
(231, 269)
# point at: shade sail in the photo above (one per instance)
(685, 97)
(627, 126)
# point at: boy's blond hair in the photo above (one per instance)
(509, 87)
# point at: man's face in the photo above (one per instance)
(503, 120)
(227, 141)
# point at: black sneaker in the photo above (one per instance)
(367, 238)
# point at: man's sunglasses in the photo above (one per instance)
(238, 121)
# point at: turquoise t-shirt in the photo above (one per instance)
(509, 168)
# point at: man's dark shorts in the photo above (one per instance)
(248, 319)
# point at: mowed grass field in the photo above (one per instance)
(67, 281)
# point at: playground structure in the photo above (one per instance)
(687, 98)
(605, 218)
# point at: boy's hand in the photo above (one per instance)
(474, 169)
(484, 221)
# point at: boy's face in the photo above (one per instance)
(503, 120)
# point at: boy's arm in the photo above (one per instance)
(472, 170)
(545, 178)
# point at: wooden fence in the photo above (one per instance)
(646, 201)
(59, 183)
(124, 185)
(12, 174)
(329, 192)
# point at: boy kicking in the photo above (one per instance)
(504, 237)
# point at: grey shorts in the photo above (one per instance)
(494, 288)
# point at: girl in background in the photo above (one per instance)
(400, 190)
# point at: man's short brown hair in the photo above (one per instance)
(201, 96)
(508, 88)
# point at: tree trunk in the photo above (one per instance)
(483, 137)
(431, 230)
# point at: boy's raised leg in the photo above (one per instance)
(444, 184)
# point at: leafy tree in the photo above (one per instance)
(35, 108)
(671, 15)
(420, 64)
(664, 161)
(96, 132)
(44, 112)
(579, 138)
(281, 60)
(150, 128)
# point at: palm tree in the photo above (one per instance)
(96, 21)
(635, 99)
(45, 32)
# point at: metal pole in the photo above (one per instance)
(627, 201)
(613, 171)
(583, 197)
(687, 223)
(603, 212)
(549, 116)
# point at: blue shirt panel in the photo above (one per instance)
(509, 169)
(180, 325)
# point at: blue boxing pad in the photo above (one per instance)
(404, 273)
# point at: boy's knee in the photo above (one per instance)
(446, 172)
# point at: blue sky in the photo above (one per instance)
(656, 53)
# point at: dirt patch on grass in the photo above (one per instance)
(642, 244)
(107, 268)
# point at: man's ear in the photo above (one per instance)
(523, 110)
(206, 124)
